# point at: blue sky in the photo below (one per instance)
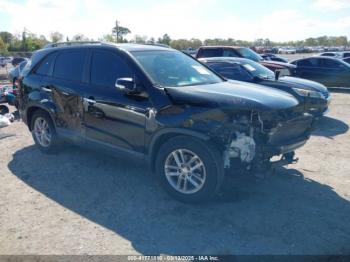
(248, 20)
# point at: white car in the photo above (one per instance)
(287, 50)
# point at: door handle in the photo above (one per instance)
(46, 88)
(90, 100)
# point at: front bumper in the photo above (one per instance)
(284, 148)
(289, 136)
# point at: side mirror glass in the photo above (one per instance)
(127, 86)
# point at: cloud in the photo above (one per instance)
(180, 19)
(331, 5)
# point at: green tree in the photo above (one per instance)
(120, 31)
(6, 37)
(56, 37)
(165, 40)
(109, 38)
(3, 47)
(80, 37)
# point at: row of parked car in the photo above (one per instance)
(192, 120)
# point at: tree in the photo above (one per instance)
(120, 31)
(3, 47)
(165, 40)
(151, 40)
(6, 37)
(56, 37)
(109, 38)
(140, 39)
(80, 37)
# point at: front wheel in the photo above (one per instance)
(189, 170)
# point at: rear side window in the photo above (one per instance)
(210, 52)
(107, 67)
(45, 65)
(312, 62)
(328, 63)
(69, 65)
(230, 53)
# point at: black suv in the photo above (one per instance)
(157, 104)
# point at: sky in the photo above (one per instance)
(246, 20)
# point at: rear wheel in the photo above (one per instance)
(189, 170)
(43, 132)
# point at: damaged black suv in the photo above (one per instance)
(159, 105)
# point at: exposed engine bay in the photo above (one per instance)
(257, 137)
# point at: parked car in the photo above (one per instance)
(273, 57)
(15, 72)
(17, 60)
(287, 50)
(347, 60)
(162, 106)
(314, 96)
(339, 55)
(329, 71)
(243, 52)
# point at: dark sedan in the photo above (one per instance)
(315, 96)
(244, 52)
(347, 60)
(329, 71)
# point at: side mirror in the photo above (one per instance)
(127, 86)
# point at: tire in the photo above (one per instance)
(205, 157)
(51, 145)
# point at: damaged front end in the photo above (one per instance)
(253, 138)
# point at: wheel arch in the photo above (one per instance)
(164, 135)
(34, 108)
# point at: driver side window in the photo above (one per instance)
(106, 68)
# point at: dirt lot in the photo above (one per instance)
(79, 202)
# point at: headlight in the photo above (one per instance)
(308, 93)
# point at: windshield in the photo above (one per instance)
(175, 69)
(257, 70)
(249, 54)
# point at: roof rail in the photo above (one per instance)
(58, 44)
(158, 44)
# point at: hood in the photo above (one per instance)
(278, 65)
(232, 94)
(303, 84)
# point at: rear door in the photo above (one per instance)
(310, 68)
(111, 117)
(335, 73)
(66, 87)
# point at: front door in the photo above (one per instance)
(111, 117)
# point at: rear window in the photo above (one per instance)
(69, 65)
(210, 52)
(328, 63)
(328, 54)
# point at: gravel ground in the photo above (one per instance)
(80, 202)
